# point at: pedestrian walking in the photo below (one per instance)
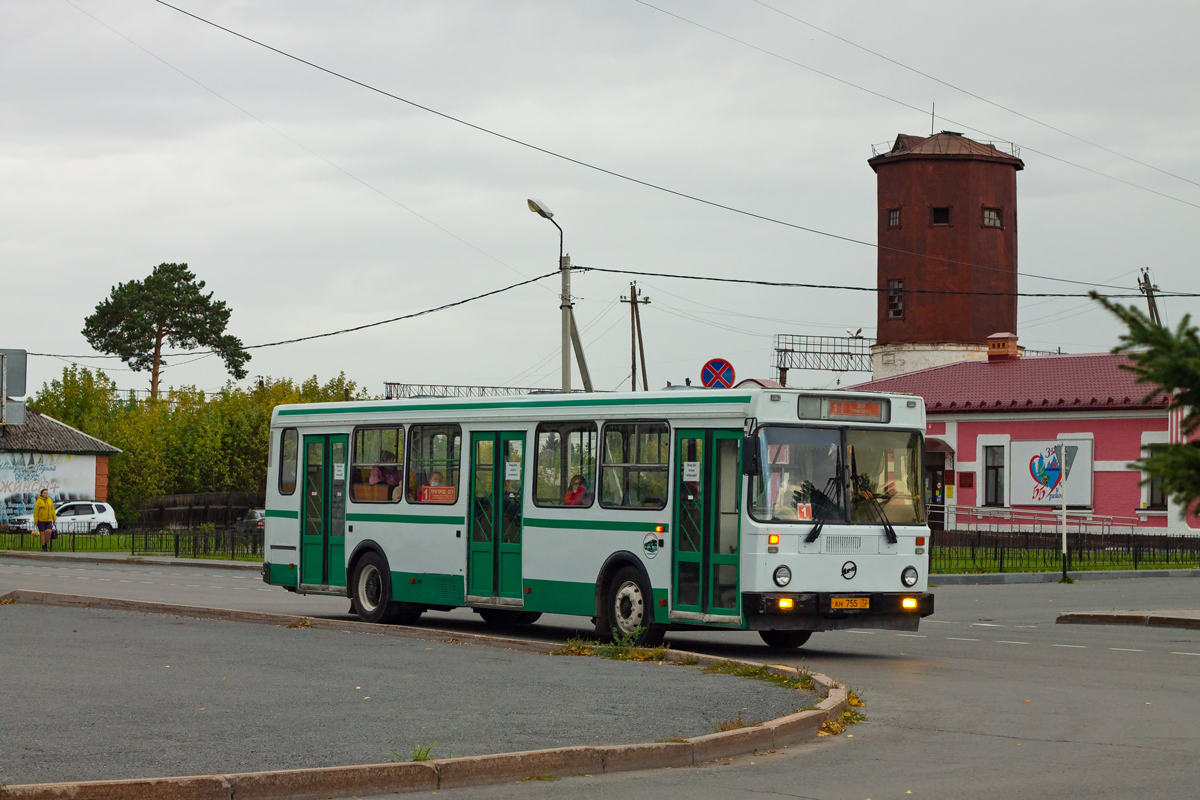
(44, 516)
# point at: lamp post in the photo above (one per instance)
(564, 267)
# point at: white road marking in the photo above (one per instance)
(1185, 654)
(1078, 646)
(913, 635)
(868, 633)
(958, 639)
(193, 586)
(124, 581)
(148, 583)
(1001, 641)
(986, 625)
(1126, 650)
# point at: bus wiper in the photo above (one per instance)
(823, 507)
(862, 489)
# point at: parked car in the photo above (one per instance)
(78, 516)
(253, 522)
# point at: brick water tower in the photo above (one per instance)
(947, 222)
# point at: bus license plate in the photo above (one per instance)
(850, 602)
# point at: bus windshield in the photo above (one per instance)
(800, 476)
(885, 468)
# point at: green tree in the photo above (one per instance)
(168, 307)
(1167, 361)
(81, 398)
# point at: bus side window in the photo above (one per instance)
(289, 444)
(375, 470)
(633, 468)
(433, 463)
(565, 465)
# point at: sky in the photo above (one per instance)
(132, 135)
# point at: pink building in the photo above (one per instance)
(993, 427)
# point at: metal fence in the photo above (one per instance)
(74, 537)
(961, 551)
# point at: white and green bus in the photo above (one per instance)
(775, 510)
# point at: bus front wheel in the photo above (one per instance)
(785, 640)
(627, 611)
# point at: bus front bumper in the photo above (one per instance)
(831, 611)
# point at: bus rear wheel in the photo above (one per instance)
(371, 590)
(785, 640)
(627, 611)
(504, 616)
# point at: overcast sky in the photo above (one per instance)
(309, 204)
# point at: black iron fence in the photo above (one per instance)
(76, 537)
(1041, 551)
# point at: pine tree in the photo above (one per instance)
(1167, 361)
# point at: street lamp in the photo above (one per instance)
(564, 267)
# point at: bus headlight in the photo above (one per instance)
(909, 577)
(783, 576)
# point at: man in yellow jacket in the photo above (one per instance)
(44, 516)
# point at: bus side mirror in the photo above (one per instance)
(750, 465)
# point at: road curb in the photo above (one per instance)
(999, 578)
(1128, 618)
(143, 561)
(323, 782)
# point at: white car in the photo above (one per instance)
(78, 516)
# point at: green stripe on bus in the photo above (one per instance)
(411, 519)
(401, 406)
(560, 597)
(596, 525)
(279, 512)
(428, 588)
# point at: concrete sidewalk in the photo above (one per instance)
(998, 578)
(1175, 618)
(125, 558)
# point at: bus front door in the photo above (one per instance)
(708, 478)
(494, 554)
(323, 528)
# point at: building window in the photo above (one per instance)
(375, 471)
(893, 218)
(940, 215)
(992, 218)
(993, 475)
(895, 299)
(433, 463)
(287, 460)
(1156, 496)
(633, 471)
(565, 466)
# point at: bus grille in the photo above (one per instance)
(843, 544)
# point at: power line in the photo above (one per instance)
(302, 146)
(609, 172)
(791, 285)
(969, 93)
(413, 315)
(882, 96)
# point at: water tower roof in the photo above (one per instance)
(947, 145)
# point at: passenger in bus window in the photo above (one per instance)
(435, 478)
(577, 493)
(386, 472)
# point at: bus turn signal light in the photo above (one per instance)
(920, 541)
(909, 602)
(660, 528)
(786, 603)
(772, 538)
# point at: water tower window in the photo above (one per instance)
(893, 218)
(940, 216)
(895, 299)
(992, 218)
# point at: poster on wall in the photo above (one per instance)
(23, 475)
(1038, 479)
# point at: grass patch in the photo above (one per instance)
(423, 752)
(671, 740)
(854, 700)
(540, 778)
(737, 723)
(623, 648)
(837, 725)
(300, 623)
(803, 680)
(687, 661)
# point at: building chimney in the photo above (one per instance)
(1003, 347)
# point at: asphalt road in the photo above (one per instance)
(1112, 711)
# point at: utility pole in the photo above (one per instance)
(1149, 289)
(570, 333)
(636, 345)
